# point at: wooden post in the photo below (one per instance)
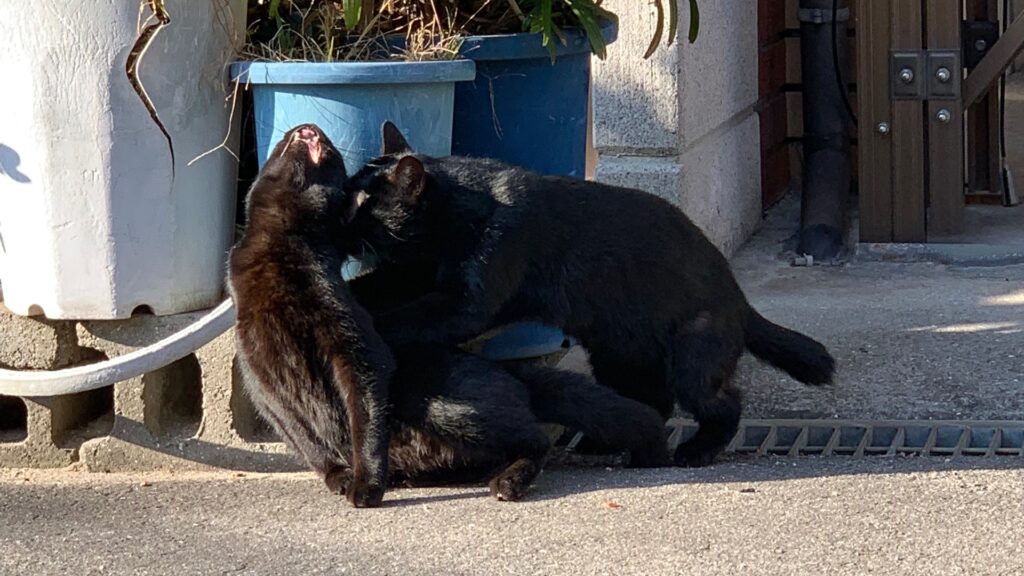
(875, 109)
(908, 213)
(945, 134)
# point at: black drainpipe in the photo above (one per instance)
(826, 143)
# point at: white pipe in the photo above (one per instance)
(152, 357)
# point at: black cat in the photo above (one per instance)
(309, 358)
(479, 243)
(360, 415)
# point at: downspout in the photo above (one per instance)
(826, 143)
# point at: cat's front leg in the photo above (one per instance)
(365, 404)
(339, 480)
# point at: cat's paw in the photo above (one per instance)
(363, 494)
(514, 481)
(508, 488)
(338, 480)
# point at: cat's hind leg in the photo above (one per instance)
(642, 380)
(600, 413)
(634, 379)
(701, 363)
(483, 419)
(507, 454)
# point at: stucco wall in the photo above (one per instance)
(682, 124)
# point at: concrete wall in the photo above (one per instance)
(682, 124)
(192, 414)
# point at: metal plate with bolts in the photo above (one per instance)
(925, 75)
(944, 75)
(905, 73)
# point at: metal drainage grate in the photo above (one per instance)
(860, 438)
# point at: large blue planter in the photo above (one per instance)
(522, 108)
(351, 100)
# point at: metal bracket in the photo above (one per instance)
(822, 16)
(906, 75)
(925, 75)
(978, 37)
(945, 75)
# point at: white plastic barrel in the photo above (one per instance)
(91, 224)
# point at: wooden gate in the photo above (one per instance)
(917, 79)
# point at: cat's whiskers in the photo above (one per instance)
(367, 245)
(396, 236)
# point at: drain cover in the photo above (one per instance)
(860, 438)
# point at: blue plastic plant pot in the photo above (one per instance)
(523, 341)
(351, 100)
(522, 108)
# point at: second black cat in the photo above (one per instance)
(479, 244)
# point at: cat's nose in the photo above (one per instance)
(307, 133)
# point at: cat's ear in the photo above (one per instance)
(394, 142)
(409, 177)
(355, 202)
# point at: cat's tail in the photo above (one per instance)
(800, 356)
(613, 421)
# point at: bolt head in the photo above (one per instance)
(981, 45)
(883, 128)
(907, 75)
(943, 74)
(944, 116)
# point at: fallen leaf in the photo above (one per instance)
(747, 491)
(145, 484)
(612, 504)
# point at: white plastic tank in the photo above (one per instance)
(92, 226)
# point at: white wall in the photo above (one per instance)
(682, 124)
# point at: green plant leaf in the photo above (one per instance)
(659, 28)
(586, 12)
(694, 21)
(541, 20)
(275, 11)
(353, 12)
(673, 20)
(673, 24)
(546, 21)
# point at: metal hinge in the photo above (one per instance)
(925, 74)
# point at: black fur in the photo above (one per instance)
(480, 244)
(310, 359)
(360, 415)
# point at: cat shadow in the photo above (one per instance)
(9, 162)
(750, 471)
(406, 501)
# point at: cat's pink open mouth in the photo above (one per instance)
(311, 139)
